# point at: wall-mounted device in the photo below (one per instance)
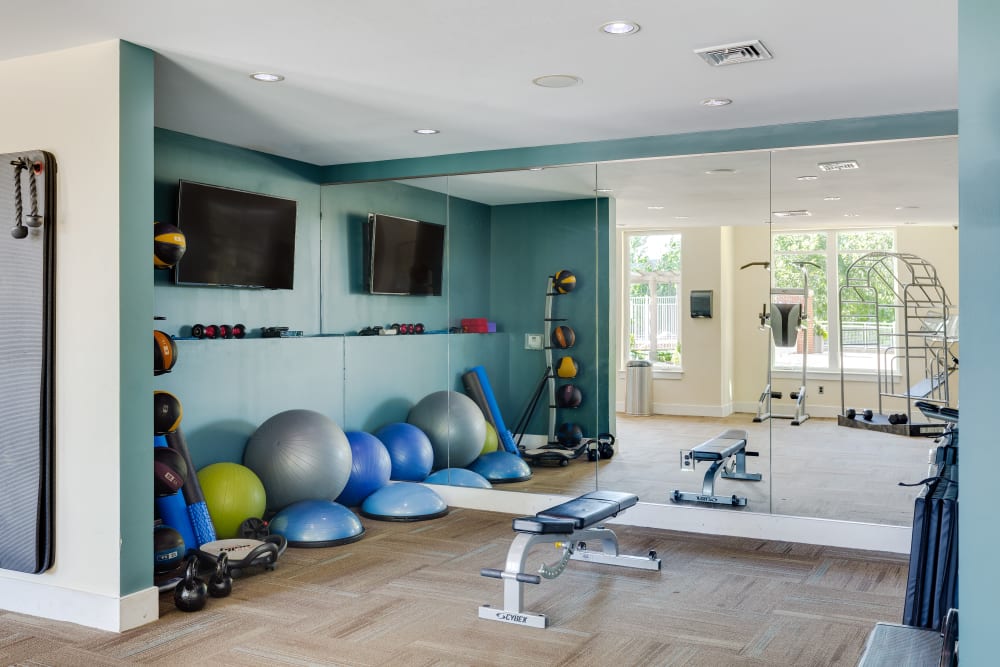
(701, 303)
(235, 238)
(403, 256)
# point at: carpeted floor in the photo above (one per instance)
(408, 593)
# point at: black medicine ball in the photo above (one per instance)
(169, 245)
(167, 412)
(564, 281)
(568, 396)
(563, 337)
(569, 434)
(168, 549)
(164, 353)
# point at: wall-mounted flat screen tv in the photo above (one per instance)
(404, 256)
(235, 238)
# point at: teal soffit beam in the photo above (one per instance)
(767, 137)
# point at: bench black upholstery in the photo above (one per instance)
(578, 513)
(720, 447)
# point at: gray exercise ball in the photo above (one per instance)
(455, 426)
(299, 455)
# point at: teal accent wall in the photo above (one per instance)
(979, 274)
(135, 297)
(530, 242)
(844, 130)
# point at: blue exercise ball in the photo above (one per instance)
(316, 523)
(409, 450)
(458, 477)
(404, 501)
(299, 455)
(501, 467)
(371, 468)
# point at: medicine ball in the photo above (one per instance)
(567, 368)
(564, 282)
(169, 471)
(169, 245)
(168, 549)
(569, 434)
(563, 337)
(568, 396)
(167, 412)
(164, 353)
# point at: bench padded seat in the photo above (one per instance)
(590, 508)
(721, 447)
(541, 525)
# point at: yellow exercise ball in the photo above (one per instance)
(233, 494)
(492, 441)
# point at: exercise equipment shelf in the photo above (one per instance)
(569, 526)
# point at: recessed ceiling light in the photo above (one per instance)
(681, 217)
(831, 198)
(535, 168)
(655, 208)
(799, 213)
(716, 101)
(603, 191)
(557, 81)
(807, 178)
(906, 208)
(720, 172)
(852, 215)
(427, 130)
(909, 223)
(267, 77)
(620, 27)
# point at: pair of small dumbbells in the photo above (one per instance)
(219, 331)
(852, 413)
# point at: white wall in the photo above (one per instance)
(66, 102)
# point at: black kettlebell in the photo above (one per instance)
(221, 583)
(191, 592)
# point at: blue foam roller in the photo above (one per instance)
(505, 437)
(316, 523)
(501, 467)
(201, 520)
(404, 501)
(459, 477)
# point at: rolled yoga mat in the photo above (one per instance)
(493, 409)
(204, 530)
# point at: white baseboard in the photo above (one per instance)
(830, 411)
(687, 410)
(712, 521)
(84, 608)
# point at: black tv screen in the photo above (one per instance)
(405, 256)
(235, 238)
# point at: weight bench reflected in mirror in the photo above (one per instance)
(727, 454)
(569, 526)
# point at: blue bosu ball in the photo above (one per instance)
(459, 477)
(317, 523)
(501, 467)
(404, 501)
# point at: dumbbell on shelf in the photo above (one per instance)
(851, 413)
(898, 418)
(212, 331)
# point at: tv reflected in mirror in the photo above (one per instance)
(404, 256)
(235, 238)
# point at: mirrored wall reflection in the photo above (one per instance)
(689, 347)
(878, 336)
(537, 284)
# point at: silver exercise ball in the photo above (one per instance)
(455, 426)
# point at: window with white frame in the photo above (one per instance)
(651, 281)
(819, 260)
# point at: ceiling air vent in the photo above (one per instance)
(840, 165)
(734, 54)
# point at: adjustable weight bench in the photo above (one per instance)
(568, 526)
(728, 454)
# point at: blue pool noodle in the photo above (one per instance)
(505, 437)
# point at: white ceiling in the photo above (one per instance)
(361, 76)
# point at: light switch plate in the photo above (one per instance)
(533, 341)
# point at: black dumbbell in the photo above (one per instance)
(225, 331)
(418, 328)
(205, 331)
(851, 413)
(868, 414)
(898, 418)
(238, 330)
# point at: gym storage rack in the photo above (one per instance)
(903, 311)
